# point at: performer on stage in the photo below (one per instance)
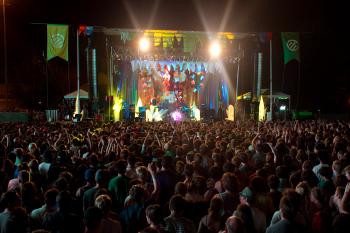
(188, 88)
(145, 86)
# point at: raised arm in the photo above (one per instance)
(153, 170)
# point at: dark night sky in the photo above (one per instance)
(325, 71)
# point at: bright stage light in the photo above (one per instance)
(215, 49)
(144, 44)
(117, 107)
(176, 116)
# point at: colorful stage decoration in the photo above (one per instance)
(164, 84)
(171, 85)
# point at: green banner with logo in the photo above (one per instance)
(291, 46)
(57, 41)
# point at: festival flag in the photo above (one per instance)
(57, 41)
(290, 42)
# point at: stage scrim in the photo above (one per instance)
(178, 83)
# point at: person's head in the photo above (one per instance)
(32, 147)
(64, 201)
(101, 177)
(216, 206)
(235, 225)
(228, 167)
(104, 203)
(340, 181)
(323, 157)
(50, 197)
(203, 149)
(29, 192)
(154, 214)
(215, 172)
(347, 172)
(177, 205)
(230, 182)
(243, 157)
(188, 170)
(244, 212)
(301, 156)
(121, 166)
(89, 175)
(10, 200)
(303, 189)
(131, 161)
(179, 167)
(336, 167)
(92, 218)
(293, 196)
(287, 208)
(34, 165)
(197, 159)
(19, 152)
(340, 155)
(137, 193)
(306, 166)
(61, 184)
(273, 182)
(67, 175)
(48, 157)
(326, 173)
(181, 188)
(217, 158)
(197, 185)
(166, 162)
(316, 196)
(23, 177)
(142, 173)
(246, 196)
(282, 172)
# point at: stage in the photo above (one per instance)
(162, 72)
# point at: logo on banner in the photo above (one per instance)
(57, 40)
(293, 45)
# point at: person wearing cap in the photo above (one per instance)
(101, 180)
(89, 177)
(247, 198)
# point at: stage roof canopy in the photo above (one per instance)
(83, 94)
(265, 93)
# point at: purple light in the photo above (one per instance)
(177, 116)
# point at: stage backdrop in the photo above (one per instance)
(173, 82)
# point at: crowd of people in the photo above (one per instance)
(183, 177)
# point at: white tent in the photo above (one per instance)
(73, 95)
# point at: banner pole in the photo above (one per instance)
(5, 54)
(271, 112)
(47, 80)
(298, 90)
(77, 102)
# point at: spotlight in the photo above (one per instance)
(144, 44)
(215, 49)
(176, 115)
